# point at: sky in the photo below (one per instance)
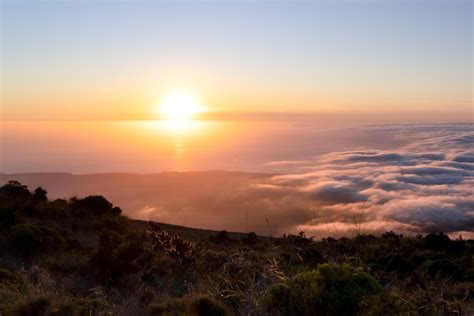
(94, 60)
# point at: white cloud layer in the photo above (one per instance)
(425, 186)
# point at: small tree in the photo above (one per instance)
(40, 195)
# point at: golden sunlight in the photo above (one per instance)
(180, 106)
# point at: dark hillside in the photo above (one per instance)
(82, 257)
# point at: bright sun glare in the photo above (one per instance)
(180, 106)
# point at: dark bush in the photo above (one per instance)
(56, 209)
(6, 275)
(311, 256)
(207, 306)
(201, 305)
(118, 255)
(445, 268)
(330, 290)
(116, 211)
(31, 239)
(16, 196)
(94, 205)
(176, 247)
(37, 307)
(394, 263)
(437, 241)
(213, 260)
(299, 240)
(7, 217)
(113, 225)
(221, 237)
(40, 196)
(251, 239)
(14, 190)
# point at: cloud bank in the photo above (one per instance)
(423, 187)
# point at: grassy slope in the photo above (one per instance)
(81, 257)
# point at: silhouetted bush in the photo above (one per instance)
(251, 239)
(221, 237)
(330, 290)
(31, 239)
(117, 255)
(40, 196)
(299, 240)
(7, 217)
(58, 208)
(437, 241)
(15, 191)
(93, 205)
(113, 225)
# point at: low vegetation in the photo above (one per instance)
(82, 257)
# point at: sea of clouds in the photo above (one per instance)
(408, 178)
(425, 186)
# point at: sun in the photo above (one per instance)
(180, 106)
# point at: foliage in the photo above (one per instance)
(208, 306)
(200, 305)
(117, 255)
(15, 191)
(221, 237)
(297, 240)
(36, 307)
(95, 205)
(329, 290)
(6, 275)
(81, 256)
(175, 246)
(7, 217)
(251, 239)
(30, 239)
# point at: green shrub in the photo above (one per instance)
(32, 239)
(330, 290)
